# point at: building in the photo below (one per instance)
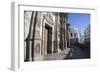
(87, 34)
(68, 35)
(87, 40)
(44, 34)
(73, 36)
(81, 37)
(87, 37)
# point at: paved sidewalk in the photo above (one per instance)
(57, 56)
(71, 53)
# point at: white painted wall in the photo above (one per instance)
(5, 37)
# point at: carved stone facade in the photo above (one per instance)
(45, 33)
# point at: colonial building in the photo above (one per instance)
(44, 33)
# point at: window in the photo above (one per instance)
(71, 34)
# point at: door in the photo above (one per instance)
(47, 40)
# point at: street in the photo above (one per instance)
(73, 53)
(77, 53)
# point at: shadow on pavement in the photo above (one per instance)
(77, 53)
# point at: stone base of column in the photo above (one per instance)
(28, 59)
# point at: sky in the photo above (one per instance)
(79, 20)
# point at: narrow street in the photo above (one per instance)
(77, 53)
(73, 53)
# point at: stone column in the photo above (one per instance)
(28, 39)
(33, 35)
(65, 31)
(58, 32)
(55, 33)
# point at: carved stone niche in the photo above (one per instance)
(49, 17)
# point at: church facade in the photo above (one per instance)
(44, 33)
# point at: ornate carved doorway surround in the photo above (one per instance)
(47, 38)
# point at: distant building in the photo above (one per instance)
(87, 34)
(80, 37)
(44, 33)
(87, 39)
(73, 36)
